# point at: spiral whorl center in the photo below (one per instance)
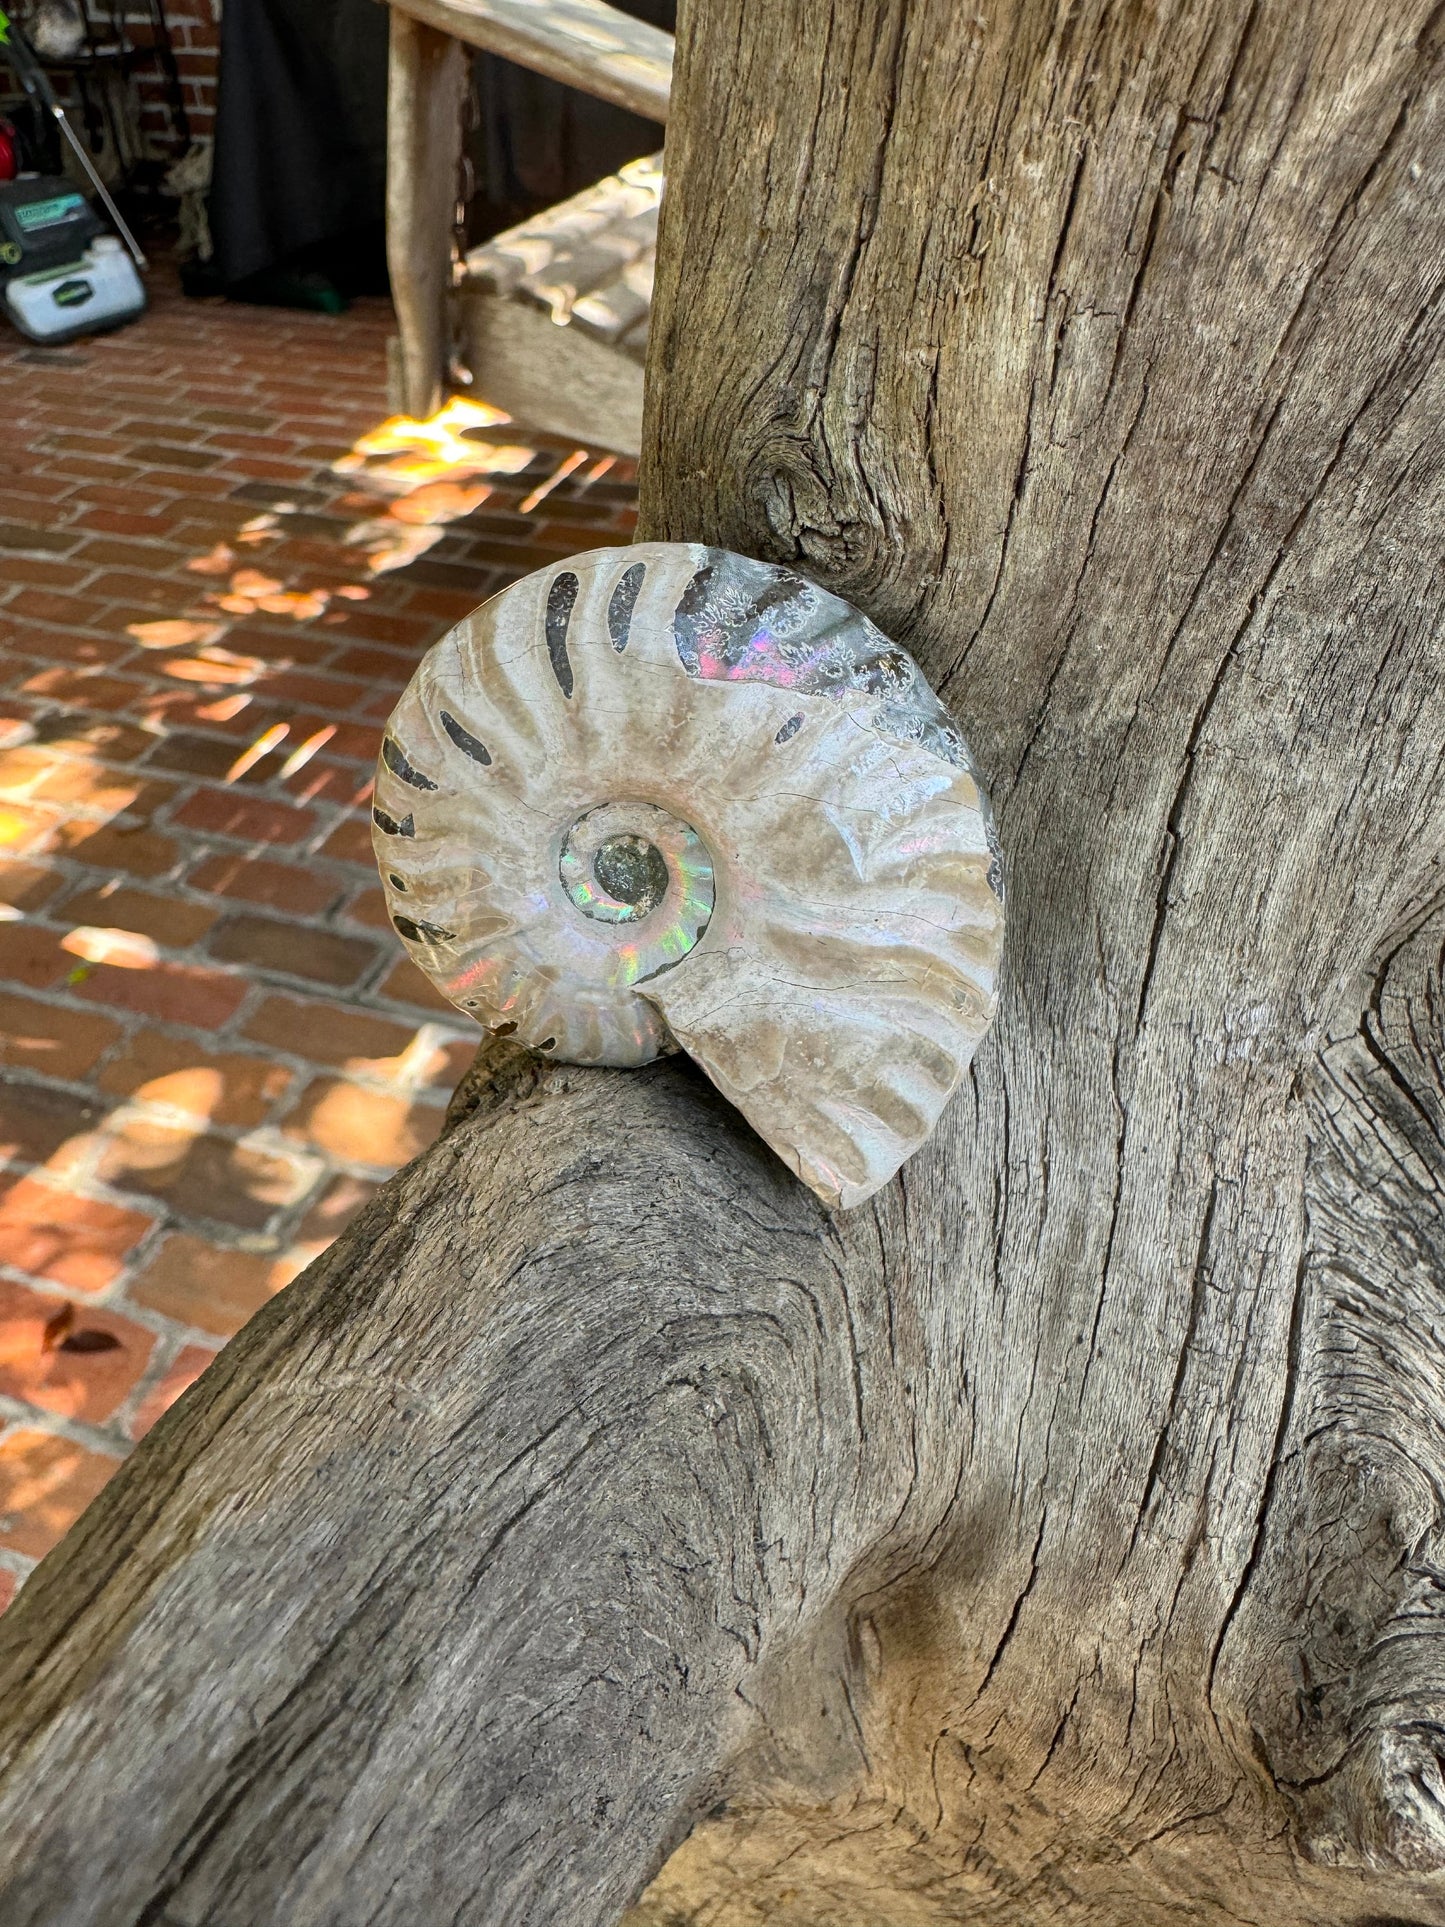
(633, 871)
(644, 872)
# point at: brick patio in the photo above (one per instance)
(213, 1048)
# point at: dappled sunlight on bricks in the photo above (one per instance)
(213, 1048)
(46, 1481)
(79, 1242)
(361, 1126)
(80, 1366)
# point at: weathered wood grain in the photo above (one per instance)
(585, 43)
(426, 82)
(1098, 353)
(1054, 1542)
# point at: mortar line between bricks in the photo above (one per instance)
(14, 1413)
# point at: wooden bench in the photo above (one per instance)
(550, 318)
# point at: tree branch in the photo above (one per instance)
(561, 1481)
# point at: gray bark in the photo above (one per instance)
(1057, 1538)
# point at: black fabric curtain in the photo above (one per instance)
(300, 163)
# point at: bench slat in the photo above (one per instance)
(585, 43)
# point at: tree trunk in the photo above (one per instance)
(1058, 1538)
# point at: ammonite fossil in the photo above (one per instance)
(665, 795)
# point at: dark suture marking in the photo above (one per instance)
(560, 598)
(789, 730)
(406, 827)
(416, 932)
(395, 758)
(396, 882)
(623, 602)
(464, 739)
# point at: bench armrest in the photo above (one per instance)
(585, 43)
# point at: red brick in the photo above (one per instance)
(376, 665)
(211, 756)
(54, 605)
(168, 921)
(126, 522)
(80, 1243)
(406, 985)
(39, 1124)
(447, 606)
(165, 455)
(176, 993)
(282, 886)
(45, 1484)
(24, 538)
(85, 689)
(163, 500)
(101, 552)
(25, 886)
(369, 907)
(351, 843)
(369, 624)
(207, 1285)
(178, 1378)
(226, 1087)
(43, 643)
(267, 469)
(51, 1038)
(361, 1126)
(353, 741)
(280, 647)
(126, 846)
(233, 418)
(39, 500)
(91, 441)
(89, 737)
(264, 943)
(44, 571)
(325, 1033)
(27, 829)
(201, 1175)
(249, 819)
(327, 782)
(330, 694)
(32, 956)
(56, 1356)
(92, 787)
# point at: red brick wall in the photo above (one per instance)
(195, 27)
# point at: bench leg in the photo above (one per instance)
(428, 76)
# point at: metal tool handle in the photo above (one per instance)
(78, 148)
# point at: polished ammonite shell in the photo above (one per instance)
(665, 795)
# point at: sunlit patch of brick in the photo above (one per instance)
(212, 1049)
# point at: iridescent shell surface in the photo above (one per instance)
(665, 795)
